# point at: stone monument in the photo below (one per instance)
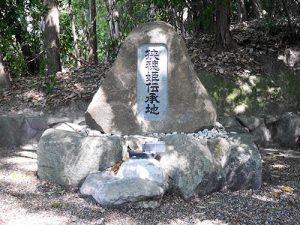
(152, 87)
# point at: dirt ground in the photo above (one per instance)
(24, 199)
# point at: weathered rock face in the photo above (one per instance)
(112, 191)
(193, 164)
(21, 129)
(288, 130)
(190, 166)
(199, 166)
(10, 127)
(272, 130)
(67, 157)
(114, 106)
(250, 122)
(243, 167)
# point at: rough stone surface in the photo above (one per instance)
(67, 157)
(288, 130)
(190, 166)
(220, 148)
(94, 181)
(197, 166)
(229, 122)
(251, 122)
(21, 129)
(112, 191)
(32, 128)
(243, 168)
(262, 135)
(114, 106)
(147, 169)
(10, 130)
(232, 124)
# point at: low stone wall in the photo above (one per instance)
(21, 129)
(281, 130)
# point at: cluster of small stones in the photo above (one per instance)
(218, 131)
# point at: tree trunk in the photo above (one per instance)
(75, 42)
(242, 11)
(4, 75)
(93, 58)
(75, 36)
(113, 23)
(223, 39)
(85, 33)
(52, 37)
(257, 9)
(290, 25)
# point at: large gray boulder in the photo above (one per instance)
(114, 106)
(66, 157)
(110, 190)
(262, 135)
(251, 122)
(243, 167)
(147, 169)
(199, 166)
(288, 130)
(190, 166)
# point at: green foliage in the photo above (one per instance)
(104, 42)
(133, 13)
(19, 30)
(268, 24)
(66, 38)
(12, 56)
(20, 27)
(293, 84)
(50, 85)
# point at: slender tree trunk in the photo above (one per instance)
(4, 75)
(85, 33)
(290, 24)
(74, 34)
(93, 58)
(242, 11)
(113, 23)
(204, 23)
(223, 39)
(52, 37)
(75, 41)
(257, 9)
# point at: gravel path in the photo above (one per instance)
(24, 199)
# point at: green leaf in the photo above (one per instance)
(287, 189)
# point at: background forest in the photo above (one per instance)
(40, 38)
